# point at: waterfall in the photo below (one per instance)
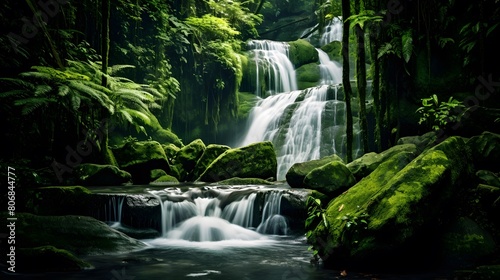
(331, 71)
(113, 209)
(272, 66)
(224, 214)
(332, 32)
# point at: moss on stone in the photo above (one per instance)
(211, 152)
(333, 50)
(88, 174)
(257, 160)
(399, 198)
(308, 75)
(187, 157)
(331, 178)
(157, 173)
(166, 136)
(297, 173)
(246, 102)
(302, 52)
(166, 179)
(171, 151)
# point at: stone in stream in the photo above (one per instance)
(187, 157)
(298, 172)
(89, 174)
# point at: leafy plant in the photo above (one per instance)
(438, 114)
(354, 223)
(316, 214)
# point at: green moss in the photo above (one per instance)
(100, 175)
(187, 157)
(209, 155)
(308, 75)
(331, 178)
(333, 50)
(166, 179)
(171, 151)
(302, 52)
(140, 152)
(165, 136)
(244, 181)
(297, 173)
(246, 103)
(257, 160)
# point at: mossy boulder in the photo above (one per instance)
(166, 136)
(308, 75)
(331, 179)
(390, 215)
(466, 242)
(489, 178)
(302, 52)
(188, 156)
(157, 173)
(334, 50)
(211, 152)
(486, 151)
(166, 179)
(48, 259)
(297, 173)
(257, 160)
(89, 174)
(422, 142)
(140, 157)
(171, 151)
(80, 235)
(363, 166)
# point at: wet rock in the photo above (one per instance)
(187, 157)
(212, 152)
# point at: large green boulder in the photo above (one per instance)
(331, 179)
(363, 166)
(166, 136)
(187, 157)
(308, 75)
(171, 151)
(302, 52)
(297, 173)
(212, 152)
(257, 160)
(486, 151)
(140, 157)
(89, 174)
(81, 235)
(390, 215)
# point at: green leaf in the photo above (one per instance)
(407, 43)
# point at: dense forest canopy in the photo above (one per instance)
(159, 69)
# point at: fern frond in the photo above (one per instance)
(63, 90)
(29, 105)
(17, 83)
(117, 68)
(94, 94)
(42, 90)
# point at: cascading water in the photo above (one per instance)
(219, 214)
(113, 210)
(332, 32)
(331, 71)
(274, 70)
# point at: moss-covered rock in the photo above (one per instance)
(257, 160)
(333, 50)
(171, 151)
(422, 142)
(246, 102)
(297, 173)
(244, 181)
(89, 174)
(211, 152)
(80, 235)
(486, 151)
(166, 136)
(389, 216)
(157, 173)
(48, 259)
(140, 157)
(166, 179)
(302, 52)
(308, 75)
(188, 156)
(331, 179)
(363, 166)
(466, 242)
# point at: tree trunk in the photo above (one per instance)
(346, 13)
(105, 39)
(361, 80)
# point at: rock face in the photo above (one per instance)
(139, 158)
(88, 174)
(257, 160)
(297, 173)
(390, 216)
(330, 179)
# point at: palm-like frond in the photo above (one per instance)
(29, 105)
(94, 94)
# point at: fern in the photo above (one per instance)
(407, 45)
